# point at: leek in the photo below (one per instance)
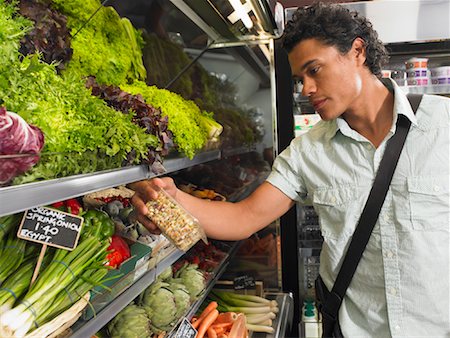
(64, 269)
(11, 255)
(7, 223)
(16, 285)
(258, 311)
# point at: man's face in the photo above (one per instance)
(332, 81)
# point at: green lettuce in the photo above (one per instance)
(107, 47)
(185, 117)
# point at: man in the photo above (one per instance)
(401, 285)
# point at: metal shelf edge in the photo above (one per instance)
(22, 197)
(89, 328)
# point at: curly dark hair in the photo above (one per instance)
(336, 26)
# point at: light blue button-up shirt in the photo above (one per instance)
(401, 286)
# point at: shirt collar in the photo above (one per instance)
(401, 106)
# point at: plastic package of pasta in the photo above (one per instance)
(178, 225)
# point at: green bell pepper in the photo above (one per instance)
(97, 224)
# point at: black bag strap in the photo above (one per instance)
(370, 212)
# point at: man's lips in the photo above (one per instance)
(317, 104)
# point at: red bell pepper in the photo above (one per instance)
(73, 206)
(118, 252)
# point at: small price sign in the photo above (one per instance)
(50, 227)
(244, 282)
(185, 330)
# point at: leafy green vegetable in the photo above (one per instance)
(82, 130)
(12, 29)
(50, 35)
(72, 120)
(108, 47)
(185, 117)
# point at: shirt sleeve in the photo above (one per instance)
(286, 175)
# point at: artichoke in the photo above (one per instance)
(131, 322)
(159, 303)
(193, 279)
(182, 298)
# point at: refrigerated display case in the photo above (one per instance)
(190, 48)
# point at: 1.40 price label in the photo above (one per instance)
(51, 227)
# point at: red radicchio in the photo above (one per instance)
(17, 137)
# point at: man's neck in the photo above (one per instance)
(373, 112)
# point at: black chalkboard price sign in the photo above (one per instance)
(185, 330)
(51, 227)
(244, 282)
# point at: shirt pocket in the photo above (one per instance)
(429, 202)
(336, 210)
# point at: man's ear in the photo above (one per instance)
(359, 50)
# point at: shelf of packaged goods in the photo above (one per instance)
(88, 328)
(22, 197)
(443, 89)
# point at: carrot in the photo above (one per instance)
(226, 317)
(218, 330)
(211, 306)
(211, 332)
(224, 325)
(206, 323)
(238, 328)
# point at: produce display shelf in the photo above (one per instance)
(22, 197)
(238, 151)
(83, 329)
(211, 283)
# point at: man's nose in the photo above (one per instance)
(309, 87)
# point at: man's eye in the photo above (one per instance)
(314, 70)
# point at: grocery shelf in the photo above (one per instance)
(22, 197)
(238, 151)
(82, 329)
(217, 274)
(432, 89)
(172, 165)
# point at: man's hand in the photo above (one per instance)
(148, 190)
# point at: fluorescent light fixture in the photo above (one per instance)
(241, 13)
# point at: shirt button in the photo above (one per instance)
(393, 291)
(436, 188)
(333, 199)
(397, 327)
(390, 254)
(368, 146)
